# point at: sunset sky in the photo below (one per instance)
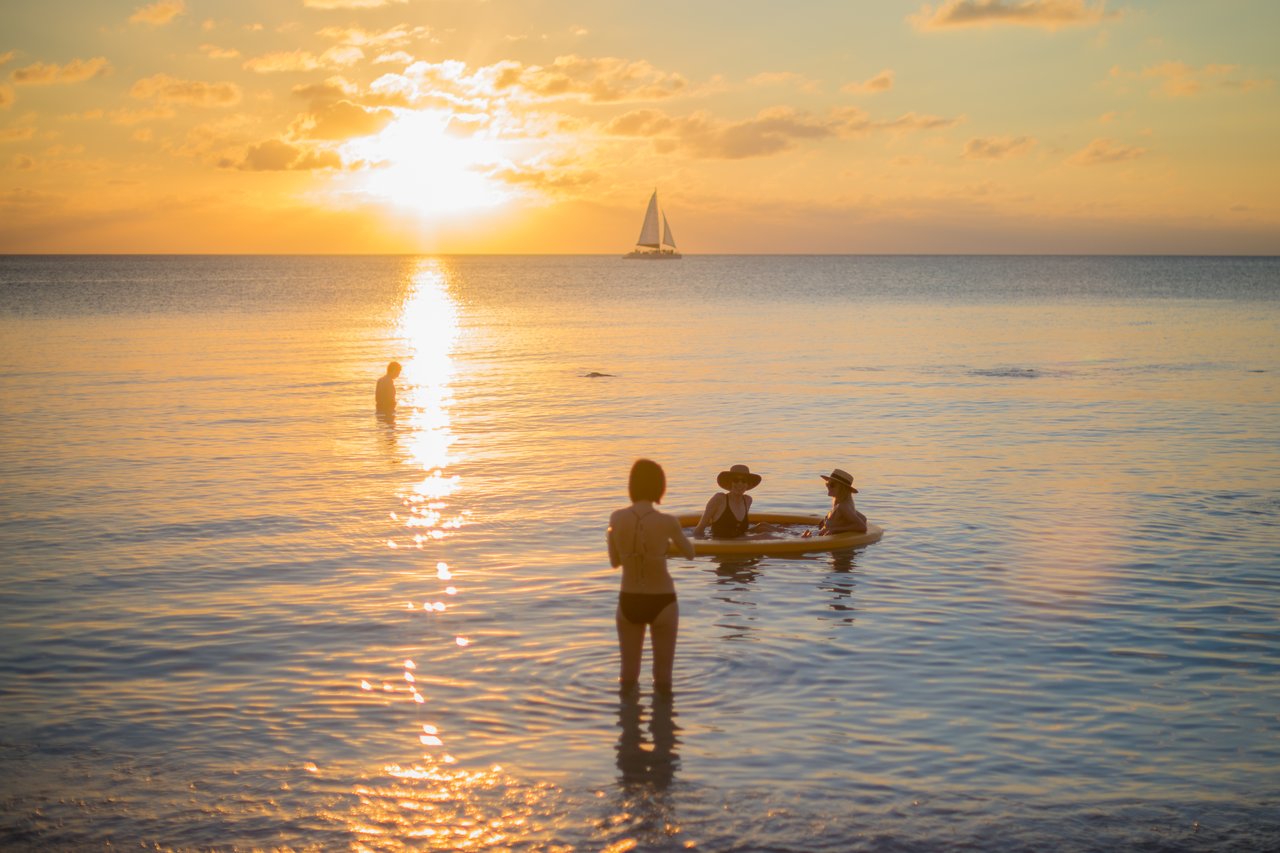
(1076, 126)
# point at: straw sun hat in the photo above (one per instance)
(841, 476)
(723, 478)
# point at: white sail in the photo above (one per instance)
(649, 231)
(655, 242)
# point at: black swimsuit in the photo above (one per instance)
(641, 608)
(728, 525)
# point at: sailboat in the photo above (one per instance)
(649, 247)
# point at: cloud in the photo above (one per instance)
(301, 60)
(882, 82)
(275, 155)
(600, 79)
(332, 89)
(997, 147)
(16, 134)
(215, 52)
(158, 14)
(563, 178)
(771, 131)
(1050, 14)
(7, 56)
(1102, 151)
(341, 120)
(397, 36)
(46, 74)
(6, 97)
(1179, 80)
(349, 4)
(170, 90)
(397, 56)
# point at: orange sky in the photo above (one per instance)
(1078, 126)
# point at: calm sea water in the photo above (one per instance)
(238, 611)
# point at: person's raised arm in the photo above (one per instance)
(709, 514)
(679, 539)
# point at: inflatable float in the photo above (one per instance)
(781, 543)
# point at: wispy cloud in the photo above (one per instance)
(214, 52)
(16, 134)
(396, 36)
(771, 131)
(1050, 14)
(997, 147)
(341, 120)
(6, 57)
(275, 155)
(170, 90)
(158, 14)
(302, 60)
(598, 79)
(6, 97)
(555, 179)
(75, 71)
(1179, 80)
(881, 82)
(1103, 151)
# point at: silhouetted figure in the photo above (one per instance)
(639, 537)
(384, 395)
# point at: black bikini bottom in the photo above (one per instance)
(641, 608)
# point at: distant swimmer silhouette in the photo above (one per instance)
(384, 394)
(594, 375)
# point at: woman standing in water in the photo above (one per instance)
(639, 536)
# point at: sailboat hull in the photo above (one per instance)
(652, 256)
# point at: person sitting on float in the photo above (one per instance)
(844, 516)
(727, 513)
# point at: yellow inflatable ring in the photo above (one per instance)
(789, 545)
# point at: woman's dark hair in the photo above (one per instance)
(647, 482)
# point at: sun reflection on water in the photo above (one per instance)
(429, 327)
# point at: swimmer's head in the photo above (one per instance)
(648, 482)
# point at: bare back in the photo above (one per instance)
(639, 537)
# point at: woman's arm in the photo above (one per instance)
(679, 539)
(614, 559)
(711, 513)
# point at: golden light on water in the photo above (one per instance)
(428, 325)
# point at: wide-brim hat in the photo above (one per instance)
(753, 480)
(841, 476)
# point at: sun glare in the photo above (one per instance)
(419, 164)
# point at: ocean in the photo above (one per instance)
(239, 611)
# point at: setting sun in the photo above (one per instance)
(418, 162)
